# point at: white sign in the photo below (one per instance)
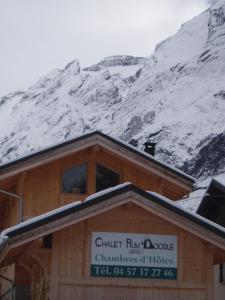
(133, 255)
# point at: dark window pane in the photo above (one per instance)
(75, 180)
(105, 178)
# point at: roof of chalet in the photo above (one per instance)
(82, 142)
(105, 200)
(212, 205)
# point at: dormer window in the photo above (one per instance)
(75, 180)
(105, 178)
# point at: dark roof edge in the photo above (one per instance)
(202, 203)
(212, 183)
(46, 150)
(114, 140)
(120, 190)
(218, 185)
(150, 158)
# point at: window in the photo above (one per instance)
(105, 178)
(75, 180)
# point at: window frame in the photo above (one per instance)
(107, 166)
(91, 176)
(87, 179)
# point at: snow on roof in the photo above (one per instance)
(53, 212)
(193, 201)
(220, 178)
(215, 183)
(178, 204)
(106, 191)
(169, 204)
(190, 213)
(38, 218)
(113, 139)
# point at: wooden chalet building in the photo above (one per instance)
(212, 207)
(99, 221)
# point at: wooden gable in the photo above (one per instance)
(38, 179)
(126, 210)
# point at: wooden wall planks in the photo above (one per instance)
(41, 186)
(71, 261)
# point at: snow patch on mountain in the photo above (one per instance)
(175, 97)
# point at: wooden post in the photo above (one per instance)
(209, 273)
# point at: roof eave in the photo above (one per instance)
(58, 151)
(196, 225)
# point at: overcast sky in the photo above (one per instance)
(37, 36)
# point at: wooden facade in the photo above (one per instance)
(40, 185)
(71, 271)
(50, 258)
(63, 270)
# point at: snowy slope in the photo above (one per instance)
(176, 97)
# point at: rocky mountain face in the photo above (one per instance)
(175, 97)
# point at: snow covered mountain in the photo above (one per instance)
(175, 97)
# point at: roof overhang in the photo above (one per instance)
(101, 202)
(124, 150)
